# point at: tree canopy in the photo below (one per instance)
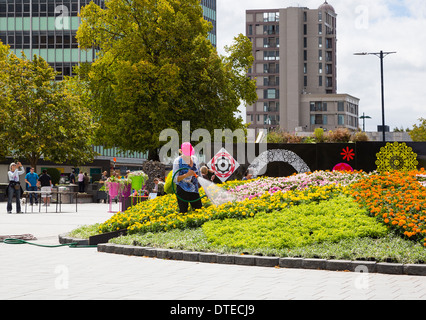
(40, 117)
(418, 133)
(155, 68)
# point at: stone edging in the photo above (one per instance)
(259, 261)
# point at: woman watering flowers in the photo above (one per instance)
(186, 179)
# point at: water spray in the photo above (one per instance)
(216, 194)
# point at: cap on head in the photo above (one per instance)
(187, 149)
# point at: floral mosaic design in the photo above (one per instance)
(396, 157)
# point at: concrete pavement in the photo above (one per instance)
(30, 272)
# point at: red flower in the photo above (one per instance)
(348, 154)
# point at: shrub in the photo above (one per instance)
(360, 136)
(340, 135)
(320, 136)
(280, 136)
(54, 174)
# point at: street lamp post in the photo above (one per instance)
(381, 55)
(363, 120)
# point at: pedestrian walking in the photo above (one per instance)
(31, 180)
(14, 187)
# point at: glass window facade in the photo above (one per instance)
(209, 8)
(47, 28)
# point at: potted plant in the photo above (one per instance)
(138, 179)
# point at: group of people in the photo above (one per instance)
(33, 182)
(185, 170)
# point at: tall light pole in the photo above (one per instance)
(381, 55)
(363, 120)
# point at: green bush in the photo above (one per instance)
(331, 221)
(54, 174)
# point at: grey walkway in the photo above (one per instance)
(29, 272)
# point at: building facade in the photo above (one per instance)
(295, 51)
(48, 28)
(209, 9)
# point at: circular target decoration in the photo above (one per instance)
(223, 164)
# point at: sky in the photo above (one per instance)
(362, 26)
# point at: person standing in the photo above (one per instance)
(185, 179)
(46, 187)
(72, 177)
(14, 187)
(31, 179)
(86, 181)
(81, 182)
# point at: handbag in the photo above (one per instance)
(17, 186)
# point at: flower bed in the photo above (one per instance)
(332, 220)
(397, 199)
(396, 202)
(258, 187)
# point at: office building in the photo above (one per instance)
(209, 9)
(48, 28)
(295, 51)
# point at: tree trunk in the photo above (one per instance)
(153, 155)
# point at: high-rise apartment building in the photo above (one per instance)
(48, 28)
(296, 71)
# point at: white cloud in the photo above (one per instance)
(363, 26)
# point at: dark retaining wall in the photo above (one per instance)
(324, 156)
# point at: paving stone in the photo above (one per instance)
(245, 260)
(390, 268)
(267, 262)
(176, 254)
(339, 265)
(207, 257)
(190, 256)
(225, 259)
(415, 269)
(292, 263)
(163, 254)
(364, 266)
(319, 264)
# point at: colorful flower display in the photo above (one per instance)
(397, 200)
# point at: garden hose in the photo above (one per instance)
(175, 191)
(20, 241)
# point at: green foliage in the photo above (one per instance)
(156, 68)
(40, 116)
(54, 174)
(381, 250)
(320, 136)
(418, 134)
(281, 136)
(331, 220)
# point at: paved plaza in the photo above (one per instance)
(31, 272)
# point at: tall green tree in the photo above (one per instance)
(156, 68)
(418, 133)
(40, 117)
